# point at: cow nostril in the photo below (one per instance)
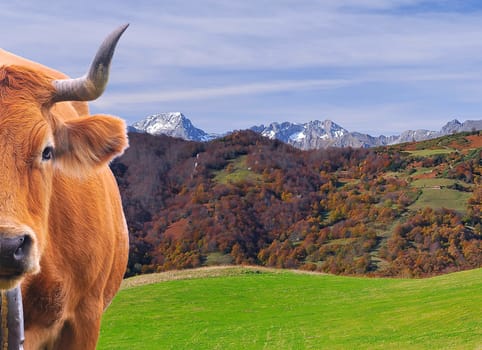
(23, 246)
(15, 254)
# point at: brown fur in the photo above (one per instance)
(71, 204)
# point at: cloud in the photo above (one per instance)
(222, 91)
(322, 35)
(286, 34)
(383, 76)
(233, 55)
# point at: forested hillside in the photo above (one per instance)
(407, 210)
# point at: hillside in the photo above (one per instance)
(247, 308)
(404, 210)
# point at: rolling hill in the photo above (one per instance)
(256, 308)
(410, 210)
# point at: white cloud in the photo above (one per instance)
(324, 36)
(192, 54)
(218, 92)
(286, 34)
(408, 76)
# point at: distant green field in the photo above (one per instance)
(436, 195)
(442, 198)
(258, 309)
(422, 170)
(431, 152)
(235, 172)
(432, 182)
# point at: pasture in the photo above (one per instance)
(255, 308)
(442, 198)
(435, 194)
(431, 152)
(236, 171)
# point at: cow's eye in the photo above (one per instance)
(47, 153)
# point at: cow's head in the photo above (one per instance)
(36, 142)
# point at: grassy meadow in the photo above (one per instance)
(237, 170)
(442, 198)
(255, 308)
(431, 152)
(435, 194)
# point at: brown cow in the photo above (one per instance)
(63, 235)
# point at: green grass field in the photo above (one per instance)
(241, 308)
(435, 194)
(442, 198)
(431, 152)
(236, 171)
(420, 183)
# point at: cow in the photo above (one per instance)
(63, 235)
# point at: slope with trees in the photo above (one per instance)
(245, 199)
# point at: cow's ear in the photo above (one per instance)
(88, 142)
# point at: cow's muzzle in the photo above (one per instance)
(18, 256)
(15, 255)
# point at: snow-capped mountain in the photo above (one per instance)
(173, 124)
(319, 134)
(312, 135)
(316, 134)
(456, 126)
(415, 135)
(280, 131)
(451, 127)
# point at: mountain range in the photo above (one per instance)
(171, 124)
(311, 135)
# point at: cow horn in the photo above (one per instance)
(91, 85)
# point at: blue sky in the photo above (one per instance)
(373, 66)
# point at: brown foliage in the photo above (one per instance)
(315, 210)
